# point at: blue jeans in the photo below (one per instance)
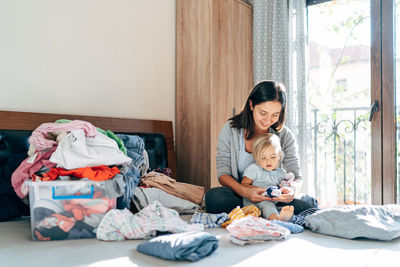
(224, 199)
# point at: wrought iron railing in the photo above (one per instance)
(341, 155)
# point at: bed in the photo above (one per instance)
(304, 249)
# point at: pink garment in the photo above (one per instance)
(252, 229)
(40, 136)
(28, 167)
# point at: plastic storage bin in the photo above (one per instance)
(67, 209)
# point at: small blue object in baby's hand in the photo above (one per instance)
(272, 191)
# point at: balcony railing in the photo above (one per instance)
(341, 155)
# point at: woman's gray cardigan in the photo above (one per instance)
(228, 151)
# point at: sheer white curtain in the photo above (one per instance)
(279, 42)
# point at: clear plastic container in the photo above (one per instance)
(67, 209)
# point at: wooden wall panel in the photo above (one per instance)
(214, 62)
(193, 88)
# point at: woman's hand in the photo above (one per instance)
(254, 194)
(286, 196)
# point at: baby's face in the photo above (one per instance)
(270, 159)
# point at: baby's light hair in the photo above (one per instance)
(262, 142)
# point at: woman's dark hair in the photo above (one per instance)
(262, 92)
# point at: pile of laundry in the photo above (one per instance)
(65, 152)
(82, 172)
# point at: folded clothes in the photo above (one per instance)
(190, 246)
(252, 229)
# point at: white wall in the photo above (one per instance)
(88, 57)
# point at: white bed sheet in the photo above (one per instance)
(304, 249)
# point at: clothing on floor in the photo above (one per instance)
(145, 196)
(193, 193)
(252, 229)
(209, 220)
(238, 213)
(39, 137)
(365, 221)
(191, 246)
(122, 224)
(78, 151)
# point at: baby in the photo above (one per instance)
(268, 154)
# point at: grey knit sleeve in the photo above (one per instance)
(224, 151)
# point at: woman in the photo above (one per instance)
(264, 112)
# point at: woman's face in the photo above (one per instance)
(266, 114)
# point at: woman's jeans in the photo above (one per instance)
(224, 199)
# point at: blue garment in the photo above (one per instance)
(294, 228)
(209, 220)
(135, 147)
(190, 246)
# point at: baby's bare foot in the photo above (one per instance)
(286, 213)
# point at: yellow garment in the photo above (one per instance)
(238, 213)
